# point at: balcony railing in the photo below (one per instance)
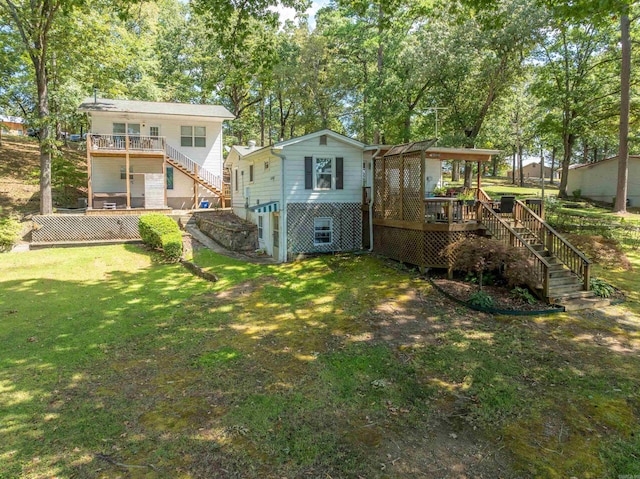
(126, 142)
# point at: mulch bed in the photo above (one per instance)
(502, 296)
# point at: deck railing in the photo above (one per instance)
(554, 242)
(500, 230)
(124, 142)
(449, 210)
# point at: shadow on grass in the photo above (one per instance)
(332, 366)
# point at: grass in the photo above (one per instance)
(328, 367)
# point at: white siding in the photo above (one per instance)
(209, 157)
(105, 175)
(598, 181)
(294, 172)
(432, 174)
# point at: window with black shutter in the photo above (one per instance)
(339, 173)
(308, 173)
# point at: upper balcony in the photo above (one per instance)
(121, 144)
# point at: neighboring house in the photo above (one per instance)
(305, 194)
(13, 125)
(532, 170)
(154, 155)
(598, 180)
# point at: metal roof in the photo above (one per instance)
(155, 108)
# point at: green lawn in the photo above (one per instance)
(329, 367)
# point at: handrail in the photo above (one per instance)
(505, 233)
(573, 258)
(194, 168)
(482, 195)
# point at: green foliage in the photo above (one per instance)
(601, 288)
(523, 294)
(481, 299)
(9, 230)
(440, 191)
(161, 232)
(576, 194)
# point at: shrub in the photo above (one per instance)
(576, 194)
(523, 294)
(480, 299)
(161, 232)
(478, 256)
(601, 288)
(9, 230)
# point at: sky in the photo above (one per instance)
(290, 14)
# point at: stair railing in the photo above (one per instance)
(500, 230)
(556, 244)
(194, 168)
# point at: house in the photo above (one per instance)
(13, 125)
(305, 194)
(598, 180)
(532, 171)
(153, 155)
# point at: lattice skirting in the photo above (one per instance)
(420, 248)
(63, 228)
(347, 227)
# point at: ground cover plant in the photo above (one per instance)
(117, 364)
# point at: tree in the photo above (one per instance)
(620, 205)
(35, 20)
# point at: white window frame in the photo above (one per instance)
(332, 181)
(316, 231)
(151, 128)
(193, 137)
(260, 227)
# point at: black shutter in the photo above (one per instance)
(339, 174)
(308, 172)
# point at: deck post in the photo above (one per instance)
(401, 187)
(479, 178)
(126, 170)
(89, 186)
(195, 187)
(164, 175)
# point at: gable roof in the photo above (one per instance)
(155, 108)
(318, 134)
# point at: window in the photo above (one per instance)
(193, 136)
(133, 128)
(154, 131)
(260, 226)
(123, 174)
(169, 177)
(323, 231)
(250, 173)
(323, 140)
(276, 231)
(323, 169)
(119, 128)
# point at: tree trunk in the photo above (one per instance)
(513, 167)
(46, 201)
(455, 171)
(553, 165)
(620, 205)
(569, 140)
(520, 149)
(468, 174)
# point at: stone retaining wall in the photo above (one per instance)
(236, 235)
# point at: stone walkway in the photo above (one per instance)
(216, 248)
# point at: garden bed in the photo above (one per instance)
(503, 298)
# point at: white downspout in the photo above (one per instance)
(373, 156)
(283, 223)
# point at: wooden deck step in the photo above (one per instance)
(577, 304)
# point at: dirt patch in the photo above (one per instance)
(607, 252)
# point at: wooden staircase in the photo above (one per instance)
(199, 174)
(561, 273)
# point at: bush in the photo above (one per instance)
(9, 231)
(601, 288)
(478, 256)
(523, 295)
(480, 299)
(161, 232)
(576, 194)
